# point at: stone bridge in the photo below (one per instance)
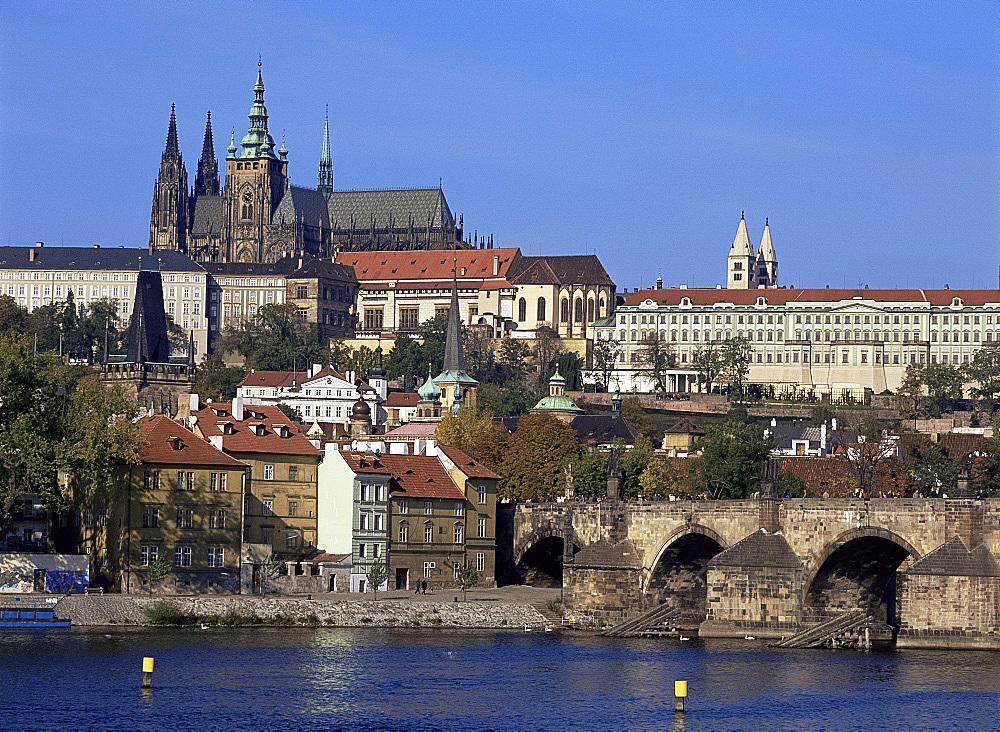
(773, 567)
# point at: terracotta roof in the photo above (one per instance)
(414, 429)
(956, 444)
(327, 557)
(420, 476)
(244, 439)
(833, 475)
(782, 296)
(466, 464)
(366, 462)
(401, 399)
(273, 379)
(685, 426)
(170, 442)
(428, 265)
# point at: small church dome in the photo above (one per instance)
(361, 410)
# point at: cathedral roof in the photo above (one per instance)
(209, 215)
(390, 206)
(766, 248)
(741, 243)
(430, 266)
(306, 204)
(582, 269)
(95, 258)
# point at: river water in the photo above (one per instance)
(331, 678)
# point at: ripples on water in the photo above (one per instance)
(325, 678)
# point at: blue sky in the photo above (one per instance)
(867, 132)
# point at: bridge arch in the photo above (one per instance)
(539, 556)
(676, 576)
(856, 571)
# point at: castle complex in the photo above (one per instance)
(259, 216)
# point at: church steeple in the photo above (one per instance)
(169, 217)
(324, 181)
(258, 143)
(206, 183)
(457, 387)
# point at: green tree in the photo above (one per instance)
(590, 474)
(821, 414)
(432, 333)
(656, 357)
(789, 484)
(872, 450)
(653, 480)
(547, 347)
(13, 318)
(377, 575)
(932, 468)
(708, 362)
(911, 388)
(944, 386)
(533, 464)
(635, 414)
(605, 354)
(467, 578)
(474, 434)
(477, 345)
(984, 372)
(634, 461)
(736, 355)
(732, 453)
(217, 381)
(156, 571)
(275, 339)
(510, 400)
(986, 469)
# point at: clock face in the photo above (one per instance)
(247, 197)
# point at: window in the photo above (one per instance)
(268, 507)
(540, 312)
(458, 569)
(378, 521)
(293, 470)
(216, 556)
(185, 518)
(404, 533)
(428, 507)
(428, 533)
(409, 318)
(428, 566)
(302, 291)
(291, 539)
(362, 550)
(522, 309)
(379, 491)
(373, 318)
(458, 533)
(404, 506)
(482, 495)
(481, 527)
(459, 508)
(363, 522)
(148, 555)
(150, 517)
(480, 561)
(182, 556)
(217, 518)
(366, 492)
(268, 472)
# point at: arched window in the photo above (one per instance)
(590, 310)
(541, 309)
(522, 309)
(602, 305)
(578, 310)
(564, 310)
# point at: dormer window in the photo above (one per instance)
(175, 443)
(226, 428)
(258, 429)
(761, 302)
(956, 302)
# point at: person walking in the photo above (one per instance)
(423, 587)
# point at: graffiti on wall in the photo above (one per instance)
(62, 581)
(11, 582)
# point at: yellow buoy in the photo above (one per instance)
(147, 672)
(680, 693)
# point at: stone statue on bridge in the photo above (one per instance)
(569, 480)
(616, 476)
(768, 479)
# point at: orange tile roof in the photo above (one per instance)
(366, 462)
(244, 439)
(466, 464)
(783, 296)
(401, 399)
(429, 265)
(420, 476)
(273, 379)
(170, 442)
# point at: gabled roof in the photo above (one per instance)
(96, 258)
(305, 204)
(244, 439)
(821, 474)
(420, 476)
(273, 379)
(430, 266)
(365, 463)
(395, 208)
(401, 399)
(685, 426)
(209, 215)
(315, 267)
(953, 558)
(560, 270)
(466, 464)
(760, 549)
(169, 442)
(281, 268)
(413, 429)
(601, 429)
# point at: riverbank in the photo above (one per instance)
(253, 610)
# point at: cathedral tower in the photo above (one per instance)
(767, 260)
(741, 273)
(255, 182)
(168, 221)
(206, 183)
(324, 181)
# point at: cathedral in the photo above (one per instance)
(746, 270)
(259, 216)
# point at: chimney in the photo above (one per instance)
(31, 255)
(316, 368)
(496, 264)
(822, 440)
(150, 249)
(238, 408)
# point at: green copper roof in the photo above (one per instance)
(560, 403)
(428, 391)
(257, 143)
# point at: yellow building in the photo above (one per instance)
(183, 503)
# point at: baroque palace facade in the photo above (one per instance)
(259, 216)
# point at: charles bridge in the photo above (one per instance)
(927, 568)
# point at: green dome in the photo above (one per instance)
(429, 391)
(558, 403)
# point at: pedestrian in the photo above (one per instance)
(417, 591)
(423, 587)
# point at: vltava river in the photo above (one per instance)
(295, 678)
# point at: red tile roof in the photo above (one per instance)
(401, 399)
(170, 442)
(466, 464)
(366, 462)
(273, 379)
(420, 476)
(429, 265)
(706, 296)
(244, 439)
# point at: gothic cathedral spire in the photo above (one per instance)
(206, 183)
(169, 218)
(324, 181)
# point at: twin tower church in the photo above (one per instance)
(258, 215)
(748, 270)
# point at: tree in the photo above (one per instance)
(13, 317)
(986, 469)
(477, 345)
(634, 413)
(932, 468)
(275, 339)
(156, 571)
(270, 569)
(653, 480)
(510, 400)
(405, 359)
(984, 371)
(570, 367)
(217, 381)
(821, 414)
(533, 464)
(911, 388)
(708, 362)
(512, 360)
(474, 434)
(547, 347)
(872, 449)
(432, 333)
(731, 456)
(377, 575)
(634, 462)
(467, 578)
(605, 354)
(790, 485)
(736, 355)
(944, 386)
(656, 357)
(590, 474)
